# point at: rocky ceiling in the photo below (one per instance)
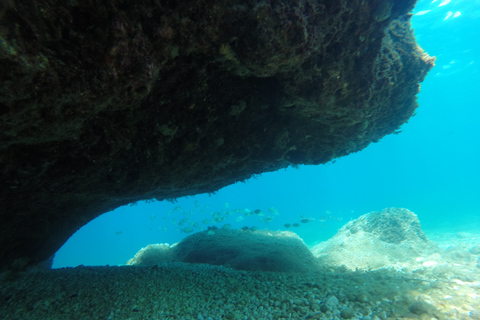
(107, 103)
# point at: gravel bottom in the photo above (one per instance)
(195, 291)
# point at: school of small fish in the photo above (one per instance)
(201, 219)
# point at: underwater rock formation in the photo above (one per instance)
(105, 104)
(375, 240)
(281, 251)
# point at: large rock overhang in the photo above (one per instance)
(105, 104)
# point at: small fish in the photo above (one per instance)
(239, 218)
(322, 219)
(253, 229)
(296, 225)
(219, 219)
(287, 225)
(227, 226)
(206, 221)
(182, 222)
(306, 220)
(258, 211)
(268, 219)
(210, 232)
(245, 228)
(195, 224)
(118, 233)
(273, 210)
(187, 230)
(152, 217)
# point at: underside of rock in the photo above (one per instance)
(106, 104)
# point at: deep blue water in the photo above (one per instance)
(430, 168)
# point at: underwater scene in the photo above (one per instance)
(390, 232)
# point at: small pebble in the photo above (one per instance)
(347, 313)
(332, 301)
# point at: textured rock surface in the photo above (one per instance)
(389, 238)
(106, 104)
(280, 251)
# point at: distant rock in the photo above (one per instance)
(280, 251)
(389, 238)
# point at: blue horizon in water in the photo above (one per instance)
(429, 168)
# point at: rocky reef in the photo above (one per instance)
(103, 104)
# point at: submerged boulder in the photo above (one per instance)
(104, 104)
(389, 238)
(280, 251)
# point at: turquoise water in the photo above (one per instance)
(430, 168)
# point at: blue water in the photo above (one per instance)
(430, 168)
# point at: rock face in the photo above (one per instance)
(280, 251)
(105, 104)
(389, 238)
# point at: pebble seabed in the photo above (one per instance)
(194, 291)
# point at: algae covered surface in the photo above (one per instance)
(106, 104)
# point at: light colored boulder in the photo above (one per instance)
(390, 238)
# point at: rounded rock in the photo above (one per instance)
(347, 313)
(324, 308)
(362, 297)
(332, 301)
(421, 307)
